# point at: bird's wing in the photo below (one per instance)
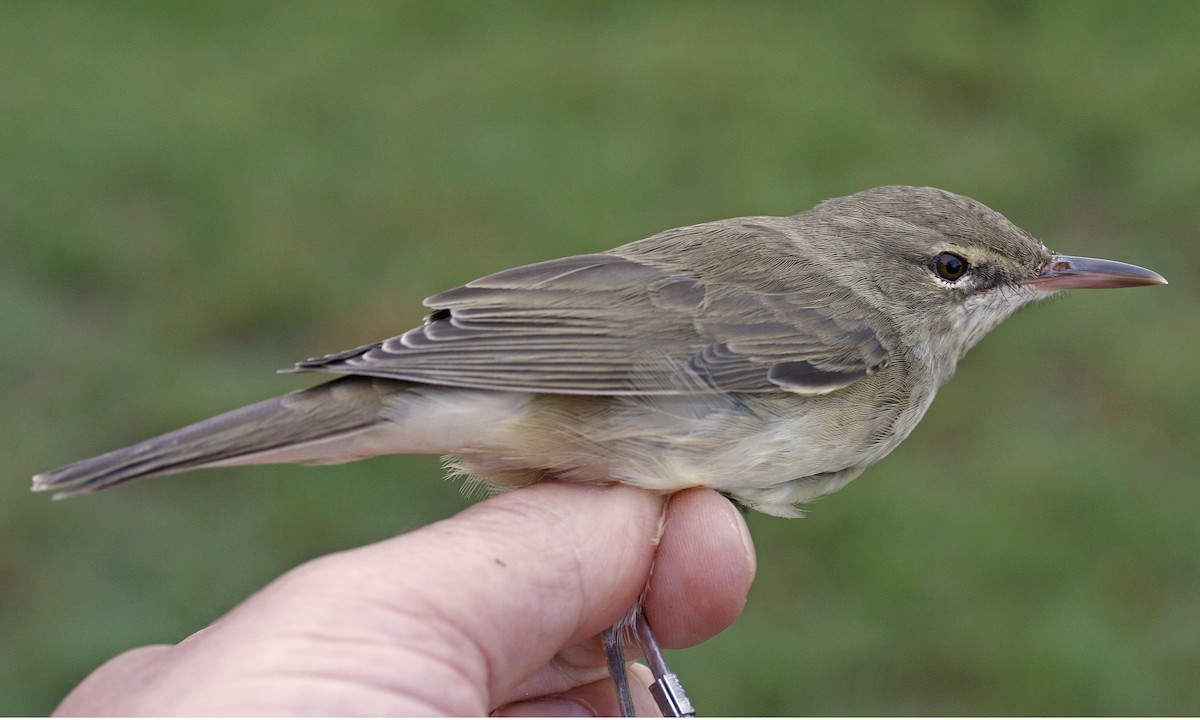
(604, 324)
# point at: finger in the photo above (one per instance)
(703, 570)
(438, 621)
(115, 687)
(594, 699)
(491, 595)
(702, 573)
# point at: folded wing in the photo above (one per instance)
(604, 324)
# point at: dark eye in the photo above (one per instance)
(949, 266)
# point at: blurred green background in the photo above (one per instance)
(195, 194)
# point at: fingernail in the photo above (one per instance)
(738, 521)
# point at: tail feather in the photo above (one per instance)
(296, 425)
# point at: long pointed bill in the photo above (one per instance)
(1065, 272)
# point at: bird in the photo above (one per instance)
(772, 358)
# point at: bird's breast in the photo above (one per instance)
(769, 450)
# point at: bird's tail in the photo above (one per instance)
(317, 425)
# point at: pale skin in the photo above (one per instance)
(497, 610)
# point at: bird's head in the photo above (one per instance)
(948, 269)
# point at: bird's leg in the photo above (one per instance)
(667, 691)
(615, 654)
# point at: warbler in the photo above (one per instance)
(770, 358)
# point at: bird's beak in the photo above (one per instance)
(1064, 272)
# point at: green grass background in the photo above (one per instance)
(195, 194)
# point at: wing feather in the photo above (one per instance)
(604, 324)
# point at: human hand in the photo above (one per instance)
(496, 610)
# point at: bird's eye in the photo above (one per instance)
(950, 267)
